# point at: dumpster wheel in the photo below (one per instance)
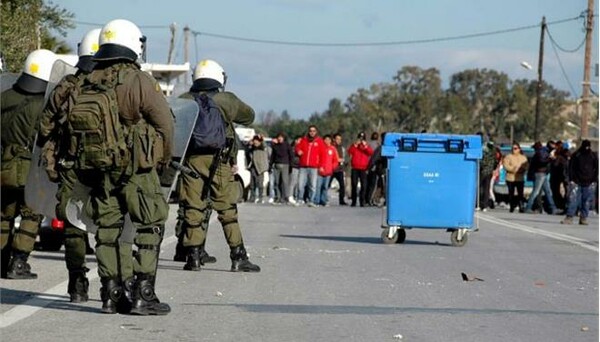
(459, 237)
(398, 237)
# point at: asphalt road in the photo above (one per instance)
(326, 276)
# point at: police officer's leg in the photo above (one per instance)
(75, 245)
(180, 254)
(224, 194)
(9, 210)
(23, 241)
(148, 210)
(196, 210)
(109, 217)
(180, 250)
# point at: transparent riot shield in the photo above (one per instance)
(40, 192)
(60, 69)
(185, 112)
(7, 79)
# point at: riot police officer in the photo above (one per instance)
(21, 109)
(135, 187)
(210, 78)
(52, 134)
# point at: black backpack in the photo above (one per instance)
(210, 128)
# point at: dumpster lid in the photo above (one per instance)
(396, 143)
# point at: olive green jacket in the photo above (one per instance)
(20, 118)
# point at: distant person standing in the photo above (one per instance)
(309, 149)
(539, 168)
(329, 162)
(338, 174)
(559, 169)
(360, 152)
(377, 167)
(281, 158)
(373, 173)
(583, 173)
(486, 170)
(259, 167)
(515, 164)
(294, 173)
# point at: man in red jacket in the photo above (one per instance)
(309, 149)
(360, 152)
(329, 162)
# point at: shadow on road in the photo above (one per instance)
(357, 239)
(360, 239)
(42, 300)
(60, 257)
(381, 310)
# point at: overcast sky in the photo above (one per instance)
(303, 78)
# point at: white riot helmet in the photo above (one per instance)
(90, 43)
(208, 74)
(37, 70)
(120, 39)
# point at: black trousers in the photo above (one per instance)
(355, 177)
(339, 176)
(484, 190)
(515, 201)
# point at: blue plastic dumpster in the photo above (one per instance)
(432, 183)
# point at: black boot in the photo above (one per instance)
(180, 252)
(145, 301)
(4, 260)
(124, 303)
(18, 268)
(78, 286)
(193, 262)
(205, 258)
(111, 293)
(240, 262)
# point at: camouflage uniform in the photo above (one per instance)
(20, 119)
(134, 191)
(53, 134)
(223, 189)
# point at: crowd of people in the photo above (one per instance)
(564, 181)
(301, 173)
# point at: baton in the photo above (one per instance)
(184, 169)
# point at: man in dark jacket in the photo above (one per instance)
(583, 173)
(281, 158)
(540, 166)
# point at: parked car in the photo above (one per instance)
(50, 236)
(500, 187)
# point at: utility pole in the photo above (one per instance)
(186, 44)
(538, 97)
(585, 94)
(186, 48)
(172, 28)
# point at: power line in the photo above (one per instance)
(562, 68)
(87, 23)
(359, 44)
(583, 15)
(401, 42)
